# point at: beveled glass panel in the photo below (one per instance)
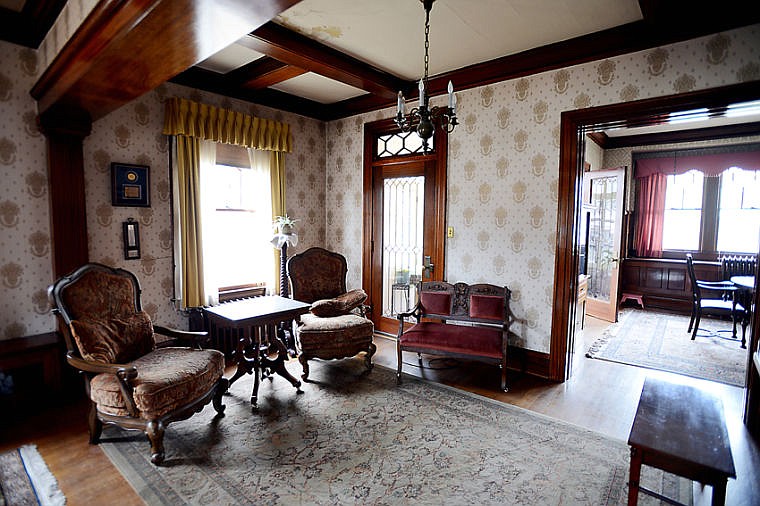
(601, 247)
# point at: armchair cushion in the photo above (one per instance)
(167, 378)
(118, 339)
(318, 334)
(340, 305)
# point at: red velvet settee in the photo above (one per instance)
(460, 321)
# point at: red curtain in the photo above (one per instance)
(650, 209)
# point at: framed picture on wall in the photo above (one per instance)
(130, 185)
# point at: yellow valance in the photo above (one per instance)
(185, 117)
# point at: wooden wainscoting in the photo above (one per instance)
(664, 283)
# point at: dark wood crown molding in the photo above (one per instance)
(263, 72)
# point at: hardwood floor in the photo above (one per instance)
(601, 396)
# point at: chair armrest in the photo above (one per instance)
(122, 370)
(192, 338)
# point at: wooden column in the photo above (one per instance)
(65, 130)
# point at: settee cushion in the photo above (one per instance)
(450, 338)
(167, 378)
(487, 307)
(340, 305)
(436, 302)
(118, 339)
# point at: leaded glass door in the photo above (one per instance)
(603, 192)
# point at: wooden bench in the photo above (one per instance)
(460, 321)
(681, 430)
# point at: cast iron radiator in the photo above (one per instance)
(222, 336)
(737, 265)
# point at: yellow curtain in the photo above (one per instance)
(190, 123)
(188, 183)
(277, 178)
(185, 117)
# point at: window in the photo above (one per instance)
(712, 214)
(237, 223)
(401, 143)
(683, 211)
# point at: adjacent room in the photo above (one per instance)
(361, 252)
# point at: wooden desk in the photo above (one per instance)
(260, 350)
(681, 430)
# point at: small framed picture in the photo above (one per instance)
(130, 185)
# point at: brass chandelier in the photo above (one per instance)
(423, 119)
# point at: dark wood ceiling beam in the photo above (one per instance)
(295, 49)
(214, 82)
(263, 72)
(116, 55)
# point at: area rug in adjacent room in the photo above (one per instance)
(661, 341)
(26, 479)
(355, 438)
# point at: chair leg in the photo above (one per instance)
(372, 348)
(696, 323)
(503, 368)
(221, 387)
(399, 362)
(744, 332)
(155, 432)
(305, 364)
(95, 426)
(691, 320)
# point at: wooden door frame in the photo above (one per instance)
(438, 248)
(574, 124)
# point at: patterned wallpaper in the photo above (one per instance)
(502, 189)
(132, 134)
(504, 158)
(25, 261)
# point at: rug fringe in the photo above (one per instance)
(44, 483)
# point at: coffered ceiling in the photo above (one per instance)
(333, 58)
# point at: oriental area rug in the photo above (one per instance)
(661, 341)
(25, 479)
(356, 438)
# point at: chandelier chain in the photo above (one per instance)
(427, 42)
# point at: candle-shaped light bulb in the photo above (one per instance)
(422, 93)
(398, 103)
(451, 95)
(453, 104)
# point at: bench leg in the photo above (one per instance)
(635, 475)
(503, 378)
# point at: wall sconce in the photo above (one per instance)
(131, 230)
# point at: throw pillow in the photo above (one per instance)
(116, 340)
(340, 305)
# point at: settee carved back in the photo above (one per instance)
(461, 294)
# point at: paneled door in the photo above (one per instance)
(603, 192)
(404, 220)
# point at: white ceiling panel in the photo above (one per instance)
(390, 33)
(318, 88)
(230, 58)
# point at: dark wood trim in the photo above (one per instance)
(122, 49)
(295, 49)
(201, 79)
(263, 72)
(573, 126)
(65, 130)
(30, 26)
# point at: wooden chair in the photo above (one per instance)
(723, 305)
(332, 329)
(130, 382)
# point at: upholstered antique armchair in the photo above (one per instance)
(131, 382)
(335, 327)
